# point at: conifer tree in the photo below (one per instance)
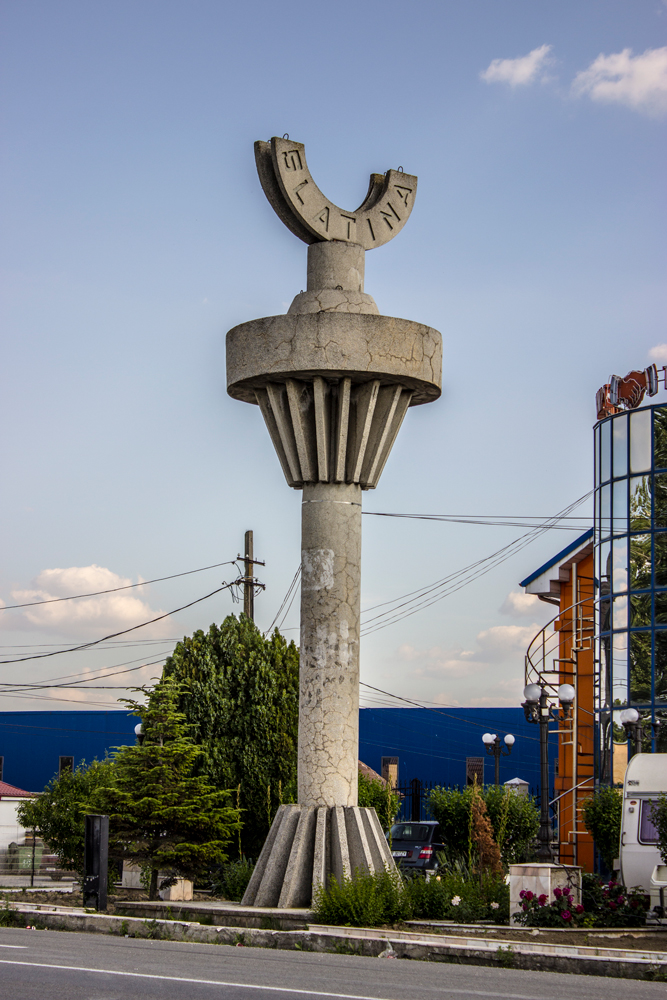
(240, 694)
(163, 816)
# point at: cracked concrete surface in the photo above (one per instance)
(329, 671)
(334, 344)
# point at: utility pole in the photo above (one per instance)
(249, 582)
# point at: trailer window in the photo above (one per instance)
(647, 831)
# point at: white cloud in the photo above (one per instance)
(521, 71)
(494, 645)
(521, 605)
(639, 82)
(90, 616)
(501, 641)
(658, 353)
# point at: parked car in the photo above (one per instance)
(415, 845)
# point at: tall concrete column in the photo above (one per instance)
(329, 655)
(333, 380)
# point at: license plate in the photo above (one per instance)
(400, 854)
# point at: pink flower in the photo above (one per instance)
(612, 905)
(620, 900)
(558, 893)
(529, 895)
(524, 906)
(542, 899)
(578, 908)
(522, 894)
(566, 915)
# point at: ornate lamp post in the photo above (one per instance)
(633, 724)
(537, 709)
(494, 749)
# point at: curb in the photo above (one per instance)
(371, 943)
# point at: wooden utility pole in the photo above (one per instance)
(248, 588)
(249, 581)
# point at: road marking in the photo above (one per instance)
(13, 945)
(251, 986)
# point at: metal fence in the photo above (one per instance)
(29, 864)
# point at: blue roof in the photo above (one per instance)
(576, 544)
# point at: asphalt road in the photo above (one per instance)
(50, 965)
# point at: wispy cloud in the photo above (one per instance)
(658, 353)
(89, 616)
(521, 71)
(520, 605)
(639, 82)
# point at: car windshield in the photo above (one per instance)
(410, 831)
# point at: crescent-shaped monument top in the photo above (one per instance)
(299, 203)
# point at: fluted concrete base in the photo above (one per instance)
(308, 844)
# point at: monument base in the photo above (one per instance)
(308, 844)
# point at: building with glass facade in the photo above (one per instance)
(631, 571)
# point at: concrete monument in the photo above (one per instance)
(333, 380)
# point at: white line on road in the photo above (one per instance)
(251, 986)
(13, 945)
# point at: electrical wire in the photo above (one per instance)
(95, 642)
(436, 711)
(113, 590)
(498, 522)
(293, 584)
(420, 599)
(7, 687)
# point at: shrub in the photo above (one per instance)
(602, 816)
(379, 796)
(514, 820)
(386, 898)
(453, 896)
(364, 900)
(231, 880)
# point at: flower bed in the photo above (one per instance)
(605, 904)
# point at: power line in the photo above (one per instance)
(447, 715)
(95, 642)
(426, 596)
(292, 585)
(113, 590)
(495, 522)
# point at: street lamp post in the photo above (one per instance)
(633, 724)
(494, 748)
(537, 709)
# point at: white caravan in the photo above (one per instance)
(645, 779)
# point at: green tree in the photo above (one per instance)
(659, 818)
(379, 796)
(514, 821)
(59, 812)
(240, 695)
(162, 816)
(602, 816)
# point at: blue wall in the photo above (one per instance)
(32, 742)
(431, 744)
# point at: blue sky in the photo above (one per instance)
(136, 235)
